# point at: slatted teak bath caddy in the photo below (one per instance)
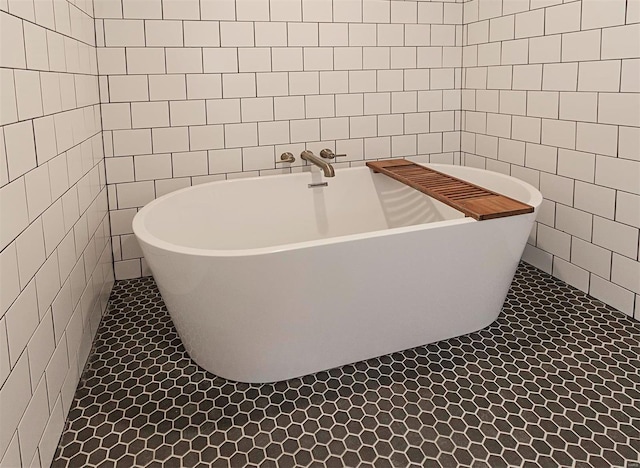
(474, 201)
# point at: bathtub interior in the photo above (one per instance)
(282, 210)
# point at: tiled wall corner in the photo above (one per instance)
(551, 95)
(55, 255)
(213, 90)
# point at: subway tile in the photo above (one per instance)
(626, 273)
(237, 34)
(627, 209)
(13, 204)
(258, 158)
(129, 88)
(34, 421)
(577, 165)
(560, 77)
(45, 139)
(167, 87)
(241, 135)
(168, 140)
(596, 138)
(12, 52)
(124, 33)
(619, 109)
(163, 33)
(114, 117)
(621, 42)
(571, 274)
(239, 85)
(205, 137)
(223, 111)
(128, 142)
(50, 437)
(35, 43)
(185, 113)
(563, 18)
(599, 14)
(287, 59)
(554, 241)
(146, 60)
(543, 158)
(542, 104)
(618, 173)
(119, 170)
(149, 115)
(14, 399)
(595, 199)
(217, 9)
(581, 46)
(538, 258)
(557, 188)
(22, 320)
(20, 150)
(10, 279)
(183, 60)
(44, 13)
(192, 163)
(527, 77)
(526, 129)
(529, 24)
(273, 133)
(599, 76)
(56, 371)
(373, 11)
(181, 9)
(630, 73)
(616, 237)
(334, 82)
(579, 106)
(610, 293)
(559, 133)
(224, 161)
(591, 257)
(136, 9)
(575, 222)
(38, 191)
(513, 102)
(8, 106)
(152, 167)
(204, 86)
(134, 195)
(545, 49)
(41, 346)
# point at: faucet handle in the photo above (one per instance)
(328, 154)
(286, 158)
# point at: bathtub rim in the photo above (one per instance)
(144, 235)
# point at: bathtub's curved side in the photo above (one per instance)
(275, 316)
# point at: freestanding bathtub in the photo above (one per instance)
(268, 279)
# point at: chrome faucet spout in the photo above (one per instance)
(327, 168)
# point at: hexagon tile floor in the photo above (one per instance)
(554, 381)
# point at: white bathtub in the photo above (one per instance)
(267, 279)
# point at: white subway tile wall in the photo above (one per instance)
(55, 256)
(557, 84)
(198, 91)
(545, 90)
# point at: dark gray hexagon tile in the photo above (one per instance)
(555, 381)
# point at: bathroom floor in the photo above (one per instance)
(554, 381)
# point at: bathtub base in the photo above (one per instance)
(322, 307)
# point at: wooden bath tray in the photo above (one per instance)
(474, 201)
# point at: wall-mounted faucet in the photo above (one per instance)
(328, 154)
(327, 168)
